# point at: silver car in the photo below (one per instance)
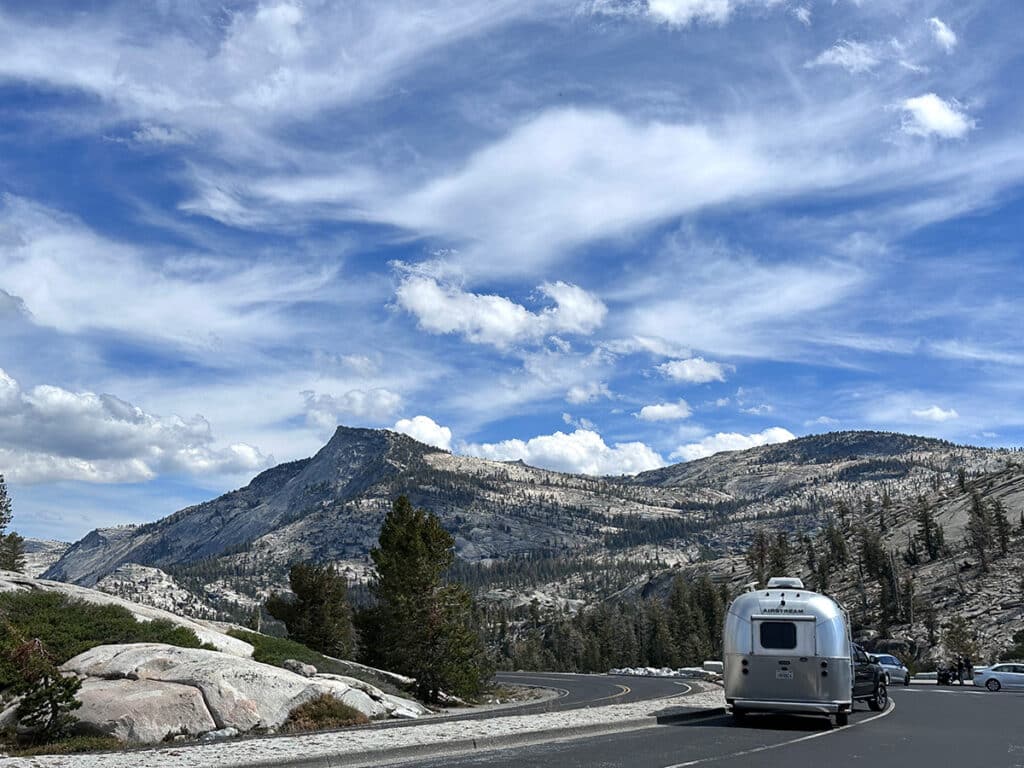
(895, 670)
(1008, 676)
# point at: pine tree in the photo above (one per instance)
(319, 615)
(979, 531)
(929, 532)
(778, 555)
(12, 546)
(959, 639)
(838, 552)
(1001, 525)
(758, 556)
(47, 697)
(420, 626)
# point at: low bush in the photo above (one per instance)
(322, 713)
(69, 627)
(71, 746)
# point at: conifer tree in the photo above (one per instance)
(47, 697)
(1001, 527)
(758, 555)
(959, 639)
(319, 615)
(778, 556)
(929, 532)
(12, 546)
(421, 626)
(979, 531)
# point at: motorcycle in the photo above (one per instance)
(944, 676)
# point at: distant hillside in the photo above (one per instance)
(40, 554)
(952, 585)
(516, 527)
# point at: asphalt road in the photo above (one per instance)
(925, 727)
(578, 691)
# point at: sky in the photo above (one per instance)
(599, 236)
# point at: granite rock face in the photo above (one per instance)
(141, 711)
(149, 692)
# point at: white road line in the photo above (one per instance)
(891, 708)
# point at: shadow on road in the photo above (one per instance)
(757, 722)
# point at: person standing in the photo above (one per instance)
(960, 669)
(969, 668)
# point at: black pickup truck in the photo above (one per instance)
(868, 680)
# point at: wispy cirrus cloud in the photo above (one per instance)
(942, 34)
(142, 293)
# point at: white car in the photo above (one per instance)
(1008, 676)
(894, 669)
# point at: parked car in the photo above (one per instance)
(1007, 676)
(894, 669)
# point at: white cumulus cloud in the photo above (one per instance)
(327, 411)
(935, 413)
(942, 34)
(48, 434)
(496, 320)
(426, 430)
(695, 370)
(930, 115)
(731, 441)
(665, 411)
(582, 451)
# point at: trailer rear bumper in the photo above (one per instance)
(805, 707)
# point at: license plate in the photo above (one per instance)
(783, 674)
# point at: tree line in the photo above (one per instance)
(682, 629)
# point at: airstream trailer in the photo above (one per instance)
(787, 649)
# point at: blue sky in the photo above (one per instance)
(599, 236)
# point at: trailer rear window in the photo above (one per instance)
(778, 635)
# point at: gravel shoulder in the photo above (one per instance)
(372, 746)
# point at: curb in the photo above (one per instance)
(367, 759)
(456, 748)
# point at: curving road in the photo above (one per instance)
(578, 691)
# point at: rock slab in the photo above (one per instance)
(141, 711)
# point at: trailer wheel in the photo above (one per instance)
(842, 718)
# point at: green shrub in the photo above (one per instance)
(322, 713)
(69, 627)
(71, 746)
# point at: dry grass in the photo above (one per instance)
(323, 713)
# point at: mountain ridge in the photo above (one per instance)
(329, 506)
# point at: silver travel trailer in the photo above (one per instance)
(787, 649)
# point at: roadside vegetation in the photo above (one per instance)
(418, 624)
(42, 630)
(322, 713)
